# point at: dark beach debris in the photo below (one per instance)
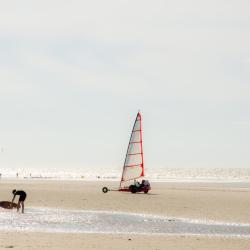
(171, 220)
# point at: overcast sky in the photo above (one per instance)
(73, 75)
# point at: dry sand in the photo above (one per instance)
(222, 202)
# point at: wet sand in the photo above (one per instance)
(204, 201)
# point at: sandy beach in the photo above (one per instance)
(222, 202)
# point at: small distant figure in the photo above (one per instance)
(0, 175)
(22, 197)
(16, 175)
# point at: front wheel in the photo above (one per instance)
(105, 190)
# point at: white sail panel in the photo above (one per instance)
(132, 173)
(137, 125)
(134, 148)
(133, 166)
(135, 137)
(133, 160)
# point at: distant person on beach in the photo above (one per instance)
(22, 197)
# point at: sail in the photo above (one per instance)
(134, 166)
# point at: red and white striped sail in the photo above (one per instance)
(134, 166)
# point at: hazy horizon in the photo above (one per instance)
(73, 75)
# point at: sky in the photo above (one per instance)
(73, 75)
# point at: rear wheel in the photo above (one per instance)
(133, 189)
(145, 191)
(105, 190)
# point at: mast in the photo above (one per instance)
(142, 164)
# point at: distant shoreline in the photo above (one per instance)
(100, 180)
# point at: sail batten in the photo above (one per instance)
(133, 167)
(135, 154)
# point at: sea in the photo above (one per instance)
(152, 174)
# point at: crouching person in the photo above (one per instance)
(22, 197)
